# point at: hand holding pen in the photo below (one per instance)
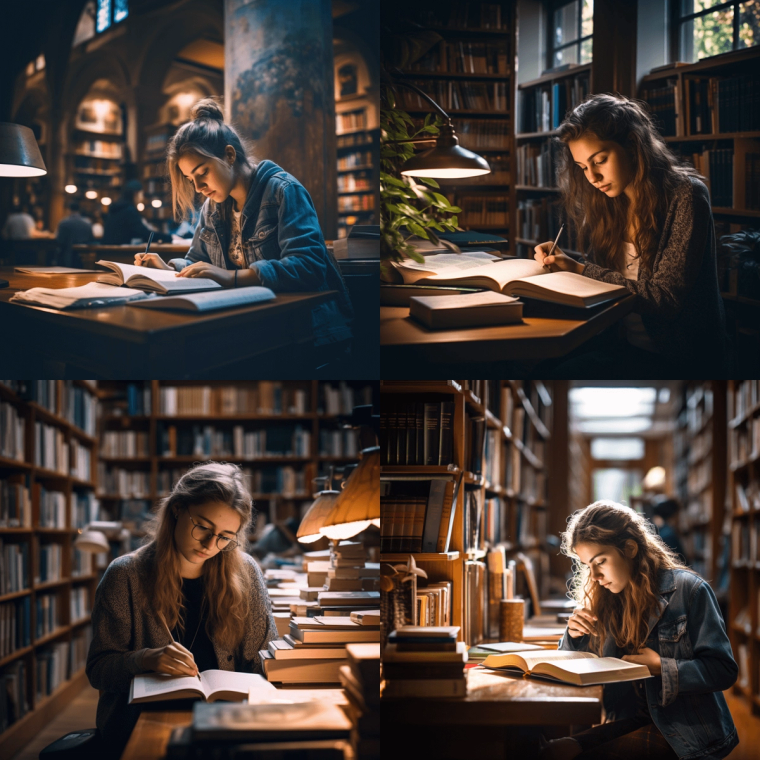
(172, 659)
(554, 260)
(150, 259)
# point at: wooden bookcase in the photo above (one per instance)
(34, 477)
(155, 176)
(744, 504)
(513, 482)
(472, 65)
(700, 474)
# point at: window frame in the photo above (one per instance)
(552, 6)
(677, 20)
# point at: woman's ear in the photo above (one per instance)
(230, 155)
(631, 548)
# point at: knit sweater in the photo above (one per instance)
(122, 633)
(679, 301)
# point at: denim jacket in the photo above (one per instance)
(685, 702)
(281, 239)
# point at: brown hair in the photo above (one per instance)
(207, 135)
(225, 575)
(601, 222)
(625, 616)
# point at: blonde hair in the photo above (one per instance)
(225, 575)
(208, 136)
(625, 616)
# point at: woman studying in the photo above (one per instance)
(187, 601)
(646, 223)
(637, 602)
(257, 225)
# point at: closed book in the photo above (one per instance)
(407, 670)
(401, 295)
(432, 425)
(447, 518)
(446, 443)
(470, 310)
(443, 687)
(433, 514)
(391, 653)
(366, 618)
(364, 660)
(281, 650)
(332, 637)
(301, 671)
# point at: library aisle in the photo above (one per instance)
(480, 559)
(278, 480)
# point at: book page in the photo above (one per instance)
(569, 282)
(558, 656)
(444, 264)
(127, 270)
(228, 680)
(597, 665)
(150, 685)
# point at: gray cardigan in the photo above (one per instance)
(680, 302)
(122, 633)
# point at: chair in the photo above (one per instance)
(77, 745)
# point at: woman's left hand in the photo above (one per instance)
(648, 657)
(203, 269)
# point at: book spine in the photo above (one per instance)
(433, 515)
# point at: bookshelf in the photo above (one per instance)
(501, 496)
(699, 450)
(48, 469)
(541, 106)
(744, 503)
(155, 176)
(470, 74)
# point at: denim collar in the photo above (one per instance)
(666, 584)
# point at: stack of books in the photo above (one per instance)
(424, 661)
(361, 681)
(315, 647)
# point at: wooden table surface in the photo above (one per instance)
(403, 338)
(124, 341)
(153, 730)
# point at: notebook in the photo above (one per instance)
(162, 281)
(209, 301)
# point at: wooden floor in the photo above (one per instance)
(81, 714)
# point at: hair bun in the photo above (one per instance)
(207, 109)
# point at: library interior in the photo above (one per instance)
(102, 651)
(484, 154)
(522, 523)
(99, 102)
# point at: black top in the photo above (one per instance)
(202, 648)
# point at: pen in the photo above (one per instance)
(554, 245)
(164, 621)
(147, 248)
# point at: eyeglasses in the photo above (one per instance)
(201, 533)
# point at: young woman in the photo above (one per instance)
(646, 223)
(637, 602)
(257, 225)
(193, 578)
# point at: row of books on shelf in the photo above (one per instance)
(465, 15)
(744, 441)
(357, 181)
(80, 606)
(700, 445)
(338, 443)
(15, 504)
(538, 219)
(11, 432)
(745, 397)
(465, 57)
(417, 433)
(536, 164)
(434, 603)
(717, 166)
(13, 693)
(49, 562)
(481, 134)
(99, 148)
(154, 169)
(349, 121)
(357, 160)
(416, 514)
(483, 210)
(52, 452)
(14, 567)
(362, 202)
(76, 404)
(745, 548)
(456, 95)
(700, 476)
(263, 398)
(47, 614)
(500, 172)
(103, 169)
(543, 108)
(698, 511)
(15, 625)
(356, 139)
(662, 105)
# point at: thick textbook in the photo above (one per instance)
(217, 299)
(162, 281)
(579, 668)
(212, 686)
(514, 277)
(468, 310)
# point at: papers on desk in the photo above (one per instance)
(209, 301)
(92, 295)
(54, 270)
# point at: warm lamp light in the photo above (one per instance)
(654, 479)
(70, 188)
(141, 207)
(91, 194)
(358, 505)
(19, 153)
(93, 537)
(105, 201)
(156, 203)
(314, 519)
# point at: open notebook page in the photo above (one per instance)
(127, 270)
(555, 655)
(596, 665)
(568, 282)
(228, 680)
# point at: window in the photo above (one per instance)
(617, 448)
(711, 27)
(570, 32)
(616, 484)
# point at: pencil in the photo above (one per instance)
(164, 621)
(554, 244)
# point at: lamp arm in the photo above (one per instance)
(423, 94)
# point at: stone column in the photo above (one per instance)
(278, 68)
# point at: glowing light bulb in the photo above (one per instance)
(91, 194)
(105, 201)
(141, 207)
(70, 188)
(156, 203)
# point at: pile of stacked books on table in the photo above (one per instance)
(424, 661)
(284, 587)
(361, 681)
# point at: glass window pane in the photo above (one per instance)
(707, 35)
(103, 20)
(749, 24)
(566, 24)
(695, 6)
(587, 19)
(120, 10)
(586, 48)
(566, 55)
(618, 485)
(617, 448)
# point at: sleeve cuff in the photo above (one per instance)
(669, 681)
(267, 274)
(135, 662)
(178, 264)
(594, 271)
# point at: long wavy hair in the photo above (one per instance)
(226, 579)
(601, 222)
(624, 616)
(207, 135)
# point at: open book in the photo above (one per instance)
(579, 668)
(213, 685)
(163, 281)
(91, 295)
(513, 277)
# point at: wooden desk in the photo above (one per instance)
(154, 727)
(502, 711)
(120, 342)
(407, 344)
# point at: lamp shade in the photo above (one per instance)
(446, 160)
(359, 502)
(19, 153)
(91, 541)
(314, 519)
